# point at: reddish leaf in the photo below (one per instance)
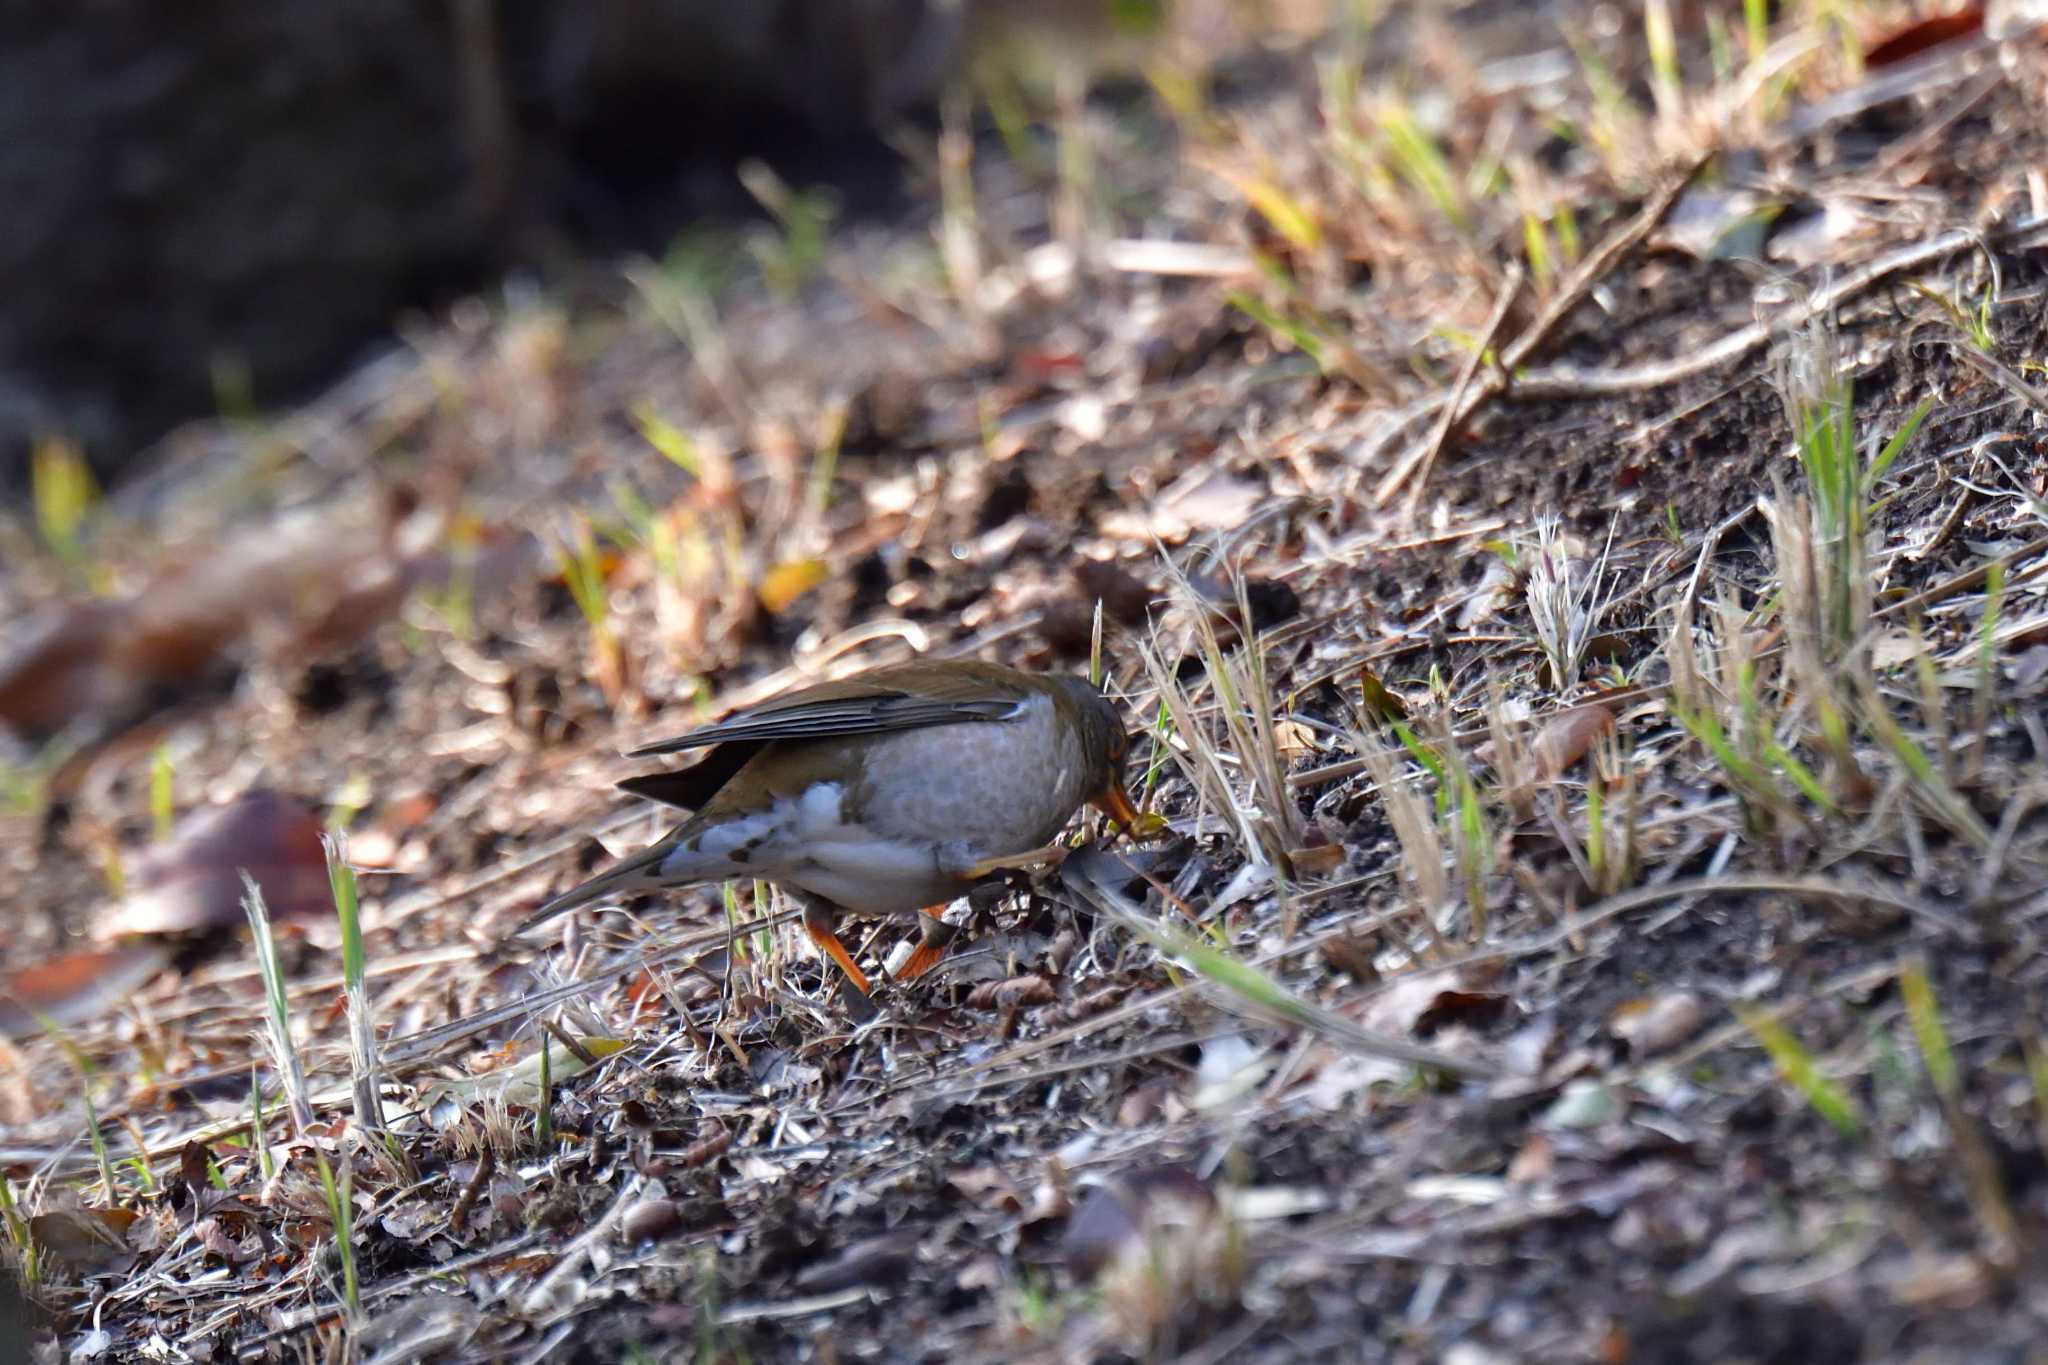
(194, 881)
(194, 1161)
(76, 986)
(1915, 38)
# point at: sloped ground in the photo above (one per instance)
(1734, 919)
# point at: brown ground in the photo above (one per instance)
(1071, 1145)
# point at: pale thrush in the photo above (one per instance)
(887, 793)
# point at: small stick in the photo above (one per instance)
(1423, 458)
(1460, 403)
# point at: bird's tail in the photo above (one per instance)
(641, 872)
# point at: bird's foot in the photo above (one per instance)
(938, 937)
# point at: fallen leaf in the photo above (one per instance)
(1584, 1104)
(1567, 736)
(1231, 1067)
(1915, 38)
(89, 1239)
(1659, 1023)
(1337, 1076)
(1142, 1104)
(1352, 952)
(1210, 502)
(650, 1220)
(1380, 704)
(986, 1187)
(782, 585)
(1018, 992)
(1125, 598)
(194, 881)
(77, 986)
(194, 1166)
(1709, 223)
(1272, 601)
(1421, 1000)
(1318, 861)
(310, 580)
(1292, 738)
(1534, 1163)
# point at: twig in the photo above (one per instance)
(576, 1049)
(542, 1298)
(1932, 131)
(2005, 377)
(1462, 400)
(1571, 381)
(486, 1167)
(1423, 458)
(1564, 381)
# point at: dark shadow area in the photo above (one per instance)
(211, 204)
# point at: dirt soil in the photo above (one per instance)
(1728, 947)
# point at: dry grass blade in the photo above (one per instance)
(1096, 874)
(1564, 601)
(1269, 824)
(1422, 848)
(362, 1026)
(277, 1021)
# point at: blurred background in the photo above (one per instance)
(214, 206)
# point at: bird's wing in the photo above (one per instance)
(873, 703)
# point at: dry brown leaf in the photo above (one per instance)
(1656, 1024)
(89, 1239)
(1910, 40)
(194, 881)
(77, 986)
(1018, 992)
(1317, 861)
(1567, 737)
(986, 1187)
(1422, 1000)
(1534, 1163)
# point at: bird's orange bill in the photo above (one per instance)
(836, 950)
(938, 936)
(1115, 802)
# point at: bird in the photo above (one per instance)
(887, 793)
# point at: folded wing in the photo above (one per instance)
(873, 703)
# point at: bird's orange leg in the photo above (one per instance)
(938, 936)
(818, 924)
